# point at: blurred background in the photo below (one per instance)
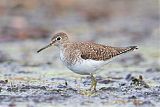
(26, 25)
(112, 22)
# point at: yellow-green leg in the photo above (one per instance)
(92, 89)
(93, 83)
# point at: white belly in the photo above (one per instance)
(85, 67)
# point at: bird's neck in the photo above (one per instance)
(64, 45)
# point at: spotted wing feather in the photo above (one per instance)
(102, 52)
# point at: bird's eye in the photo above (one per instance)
(58, 38)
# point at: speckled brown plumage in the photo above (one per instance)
(101, 52)
(89, 50)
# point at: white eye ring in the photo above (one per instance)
(58, 38)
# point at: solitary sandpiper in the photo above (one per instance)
(85, 58)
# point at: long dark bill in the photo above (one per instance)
(44, 47)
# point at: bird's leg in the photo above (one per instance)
(93, 83)
(92, 90)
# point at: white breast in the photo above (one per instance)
(85, 67)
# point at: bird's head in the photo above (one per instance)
(57, 40)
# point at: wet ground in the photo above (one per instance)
(28, 79)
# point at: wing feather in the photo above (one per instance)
(101, 52)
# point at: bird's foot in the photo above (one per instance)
(87, 92)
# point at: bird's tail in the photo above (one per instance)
(130, 48)
(127, 49)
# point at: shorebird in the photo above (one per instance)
(85, 58)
